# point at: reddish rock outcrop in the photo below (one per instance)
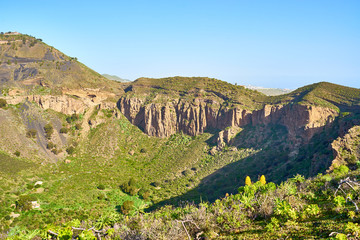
(196, 116)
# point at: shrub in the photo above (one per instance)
(48, 128)
(130, 187)
(284, 209)
(352, 228)
(101, 187)
(358, 164)
(24, 202)
(127, 207)
(78, 126)
(186, 173)
(17, 153)
(273, 225)
(132, 182)
(64, 130)
(341, 170)
(352, 159)
(70, 150)
(3, 103)
(68, 119)
(339, 201)
(50, 145)
(31, 133)
(146, 195)
(74, 117)
(131, 190)
(155, 184)
(297, 179)
(311, 210)
(102, 196)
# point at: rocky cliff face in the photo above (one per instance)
(346, 149)
(196, 116)
(62, 103)
(71, 101)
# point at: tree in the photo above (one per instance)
(247, 181)
(262, 180)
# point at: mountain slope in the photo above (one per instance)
(96, 143)
(28, 62)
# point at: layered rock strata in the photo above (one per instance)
(199, 115)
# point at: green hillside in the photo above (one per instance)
(73, 166)
(323, 94)
(163, 89)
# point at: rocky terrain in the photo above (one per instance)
(179, 138)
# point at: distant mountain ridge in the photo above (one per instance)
(270, 91)
(115, 78)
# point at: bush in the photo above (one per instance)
(3, 103)
(64, 130)
(24, 202)
(155, 184)
(311, 210)
(127, 207)
(341, 170)
(131, 190)
(146, 195)
(101, 187)
(17, 153)
(78, 126)
(50, 145)
(72, 118)
(130, 187)
(102, 196)
(31, 133)
(70, 150)
(55, 151)
(132, 182)
(48, 128)
(186, 173)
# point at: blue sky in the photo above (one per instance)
(270, 43)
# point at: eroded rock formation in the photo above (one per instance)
(196, 116)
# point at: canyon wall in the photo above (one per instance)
(196, 116)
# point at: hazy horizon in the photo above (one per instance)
(277, 44)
